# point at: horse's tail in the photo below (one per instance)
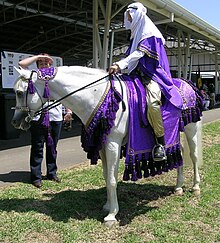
(192, 144)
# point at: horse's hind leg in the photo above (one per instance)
(193, 132)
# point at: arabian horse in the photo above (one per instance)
(102, 102)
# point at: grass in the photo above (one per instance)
(149, 212)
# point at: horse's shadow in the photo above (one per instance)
(15, 176)
(133, 200)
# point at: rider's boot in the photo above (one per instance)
(158, 152)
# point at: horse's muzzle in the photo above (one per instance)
(23, 125)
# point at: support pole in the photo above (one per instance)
(111, 47)
(190, 67)
(217, 75)
(103, 63)
(179, 55)
(187, 53)
(95, 33)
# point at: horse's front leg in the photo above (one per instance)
(102, 154)
(112, 153)
(180, 181)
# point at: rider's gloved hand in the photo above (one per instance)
(114, 69)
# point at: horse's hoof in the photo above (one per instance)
(178, 192)
(196, 192)
(110, 220)
(110, 223)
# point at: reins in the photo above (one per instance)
(123, 102)
(56, 102)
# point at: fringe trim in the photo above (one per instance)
(192, 114)
(144, 166)
(95, 134)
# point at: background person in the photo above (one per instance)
(39, 133)
(206, 99)
(211, 90)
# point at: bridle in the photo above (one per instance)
(26, 108)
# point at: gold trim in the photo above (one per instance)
(148, 53)
(148, 49)
(99, 104)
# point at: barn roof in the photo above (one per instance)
(65, 28)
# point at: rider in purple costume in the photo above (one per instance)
(147, 58)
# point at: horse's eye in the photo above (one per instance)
(19, 93)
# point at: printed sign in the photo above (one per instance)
(11, 59)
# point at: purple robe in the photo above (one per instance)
(155, 65)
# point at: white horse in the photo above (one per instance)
(83, 103)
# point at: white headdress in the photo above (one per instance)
(141, 27)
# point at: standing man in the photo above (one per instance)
(39, 133)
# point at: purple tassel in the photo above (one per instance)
(50, 144)
(138, 167)
(181, 125)
(151, 168)
(46, 90)
(145, 167)
(94, 159)
(126, 174)
(134, 175)
(49, 140)
(46, 120)
(139, 174)
(190, 116)
(146, 173)
(31, 88)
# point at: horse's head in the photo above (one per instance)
(26, 102)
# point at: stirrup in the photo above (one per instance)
(159, 153)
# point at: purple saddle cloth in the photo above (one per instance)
(141, 139)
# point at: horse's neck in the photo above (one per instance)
(83, 102)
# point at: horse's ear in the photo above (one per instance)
(23, 72)
(18, 70)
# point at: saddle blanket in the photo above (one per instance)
(141, 140)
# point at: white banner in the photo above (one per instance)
(11, 59)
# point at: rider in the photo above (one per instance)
(146, 57)
(39, 133)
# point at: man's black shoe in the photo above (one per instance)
(37, 184)
(159, 153)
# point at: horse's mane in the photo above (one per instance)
(81, 71)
